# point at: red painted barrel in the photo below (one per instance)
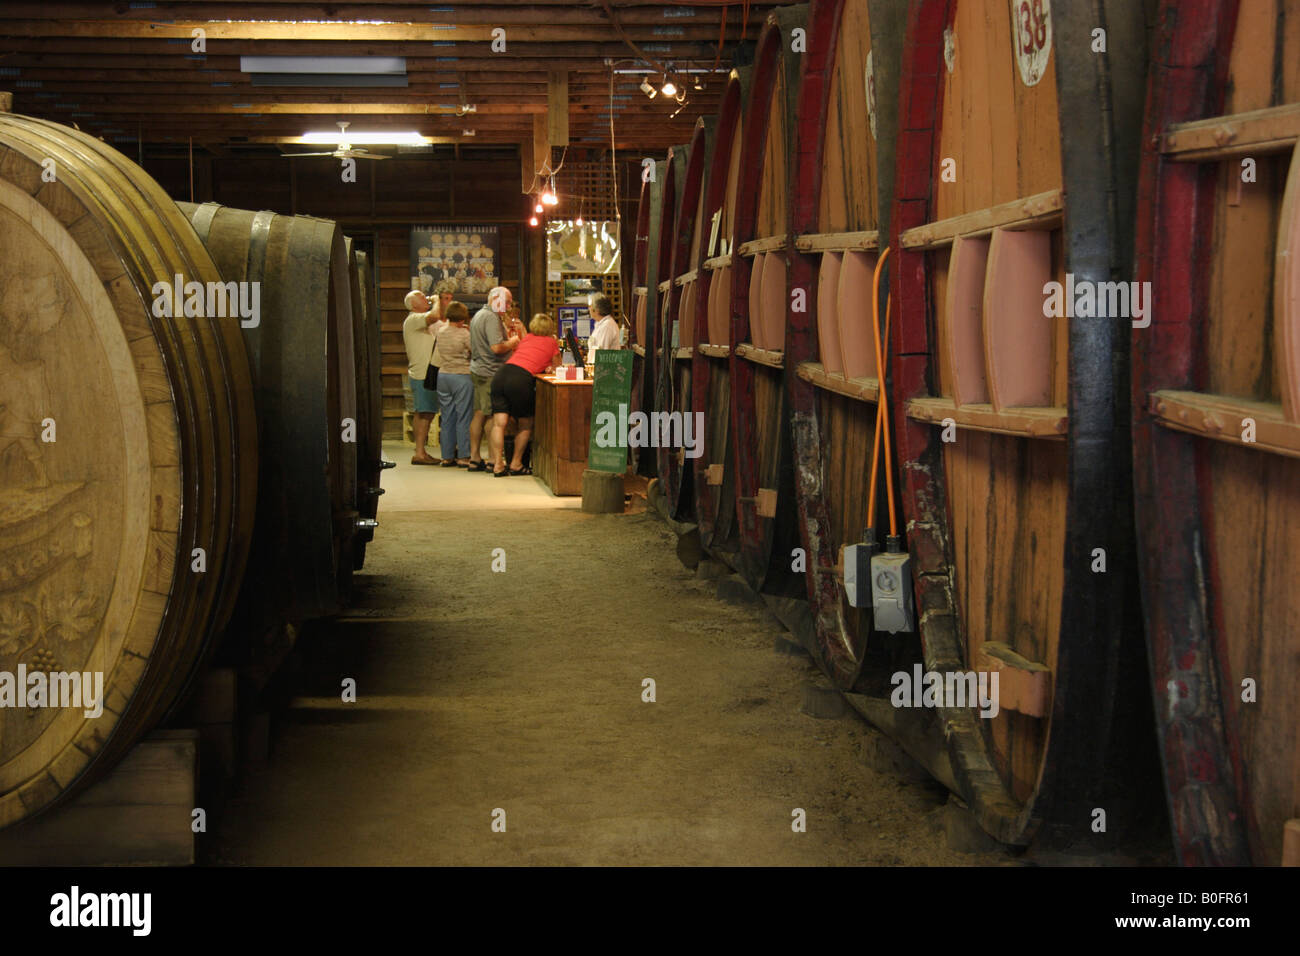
(840, 151)
(765, 507)
(1216, 421)
(648, 263)
(714, 470)
(686, 171)
(1016, 510)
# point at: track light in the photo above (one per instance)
(699, 83)
(648, 90)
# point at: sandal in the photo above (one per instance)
(521, 471)
(462, 464)
(426, 461)
(500, 474)
(449, 463)
(477, 466)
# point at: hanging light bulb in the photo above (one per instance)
(668, 89)
(578, 221)
(537, 208)
(549, 196)
(532, 221)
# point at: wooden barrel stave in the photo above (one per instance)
(177, 386)
(1002, 526)
(200, 348)
(307, 510)
(766, 512)
(669, 393)
(840, 193)
(711, 375)
(1218, 516)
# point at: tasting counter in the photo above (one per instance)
(561, 430)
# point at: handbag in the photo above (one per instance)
(431, 376)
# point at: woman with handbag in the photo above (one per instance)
(451, 354)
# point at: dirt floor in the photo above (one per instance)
(521, 691)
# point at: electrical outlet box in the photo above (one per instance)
(891, 592)
(857, 573)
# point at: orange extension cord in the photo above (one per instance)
(882, 406)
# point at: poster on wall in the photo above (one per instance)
(467, 254)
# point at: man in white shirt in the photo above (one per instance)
(418, 333)
(606, 334)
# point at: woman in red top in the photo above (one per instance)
(514, 391)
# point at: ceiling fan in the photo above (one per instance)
(344, 151)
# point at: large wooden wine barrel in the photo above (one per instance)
(370, 411)
(1013, 170)
(301, 354)
(688, 240)
(670, 455)
(646, 266)
(714, 475)
(128, 454)
(841, 184)
(1216, 410)
(765, 507)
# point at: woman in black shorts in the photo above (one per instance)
(514, 391)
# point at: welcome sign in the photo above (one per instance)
(611, 389)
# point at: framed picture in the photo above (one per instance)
(578, 287)
(465, 253)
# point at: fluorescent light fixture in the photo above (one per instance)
(323, 64)
(332, 138)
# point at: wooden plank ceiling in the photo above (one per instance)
(130, 71)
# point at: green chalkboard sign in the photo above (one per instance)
(611, 391)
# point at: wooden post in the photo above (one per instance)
(602, 492)
(557, 108)
(6, 102)
(541, 145)
(526, 167)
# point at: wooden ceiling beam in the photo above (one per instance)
(495, 13)
(216, 31)
(227, 63)
(557, 108)
(599, 48)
